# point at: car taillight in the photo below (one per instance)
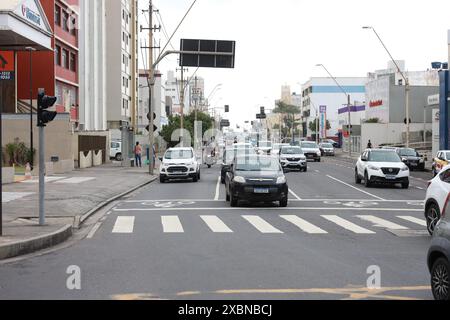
(445, 205)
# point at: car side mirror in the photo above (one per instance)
(160, 158)
(363, 159)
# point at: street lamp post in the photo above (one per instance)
(407, 88)
(348, 109)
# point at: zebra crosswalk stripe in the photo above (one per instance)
(418, 221)
(215, 224)
(171, 224)
(347, 224)
(304, 225)
(124, 225)
(262, 225)
(383, 223)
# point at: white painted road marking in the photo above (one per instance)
(262, 225)
(216, 198)
(349, 185)
(215, 224)
(11, 196)
(171, 224)
(418, 221)
(124, 225)
(304, 225)
(75, 180)
(47, 179)
(272, 208)
(93, 230)
(348, 225)
(383, 223)
(295, 195)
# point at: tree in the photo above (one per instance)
(289, 112)
(372, 120)
(312, 125)
(175, 123)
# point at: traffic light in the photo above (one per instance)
(45, 102)
(227, 108)
(155, 128)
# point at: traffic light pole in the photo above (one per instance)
(41, 176)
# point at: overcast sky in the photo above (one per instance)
(280, 42)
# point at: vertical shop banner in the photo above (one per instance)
(7, 65)
(323, 121)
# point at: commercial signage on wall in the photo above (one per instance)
(323, 121)
(31, 12)
(376, 103)
(7, 65)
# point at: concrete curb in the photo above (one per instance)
(18, 248)
(79, 220)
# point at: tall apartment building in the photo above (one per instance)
(173, 89)
(92, 66)
(57, 70)
(122, 61)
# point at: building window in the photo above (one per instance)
(58, 55)
(65, 58)
(73, 62)
(73, 30)
(57, 15)
(65, 21)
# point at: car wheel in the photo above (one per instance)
(305, 170)
(195, 179)
(227, 197)
(233, 200)
(357, 178)
(119, 157)
(222, 180)
(199, 176)
(367, 183)
(432, 216)
(209, 166)
(405, 185)
(284, 202)
(162, 179)
(440, 279)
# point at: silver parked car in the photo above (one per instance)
(439, 257)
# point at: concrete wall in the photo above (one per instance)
(58, 137)
(387, 133)
(7, 175)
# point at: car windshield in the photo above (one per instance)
(178, 154)
(257, 164)
(291, 150)
(265, 144)
(384, 156)
(447, 155)
(407, 153)
(309, 145)
(327, 145)
(230, 154)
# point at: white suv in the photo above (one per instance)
(381, 166)
(179, 163)
(438, 194)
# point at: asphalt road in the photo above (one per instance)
(181, 240)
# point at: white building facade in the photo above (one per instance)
(323, 93)
(92, 70)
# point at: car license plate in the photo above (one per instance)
(260, 190)
(413, 164)
(310, 156)
(390, 177)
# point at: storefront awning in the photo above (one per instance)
(23, 24)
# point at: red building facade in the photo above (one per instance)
(55, 71)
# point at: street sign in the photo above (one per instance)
(7, 65)
(261, 116)
(225, 123)
(207, 53)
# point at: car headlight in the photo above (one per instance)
(319, 153)
(372, 167)
(421, 160)
(281, 180)
(405, 168)
(302, 158)
(239, 179)
(404, 159)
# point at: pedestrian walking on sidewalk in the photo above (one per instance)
(138, 155)
(369, 145)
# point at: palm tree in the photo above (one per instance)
(289, 112)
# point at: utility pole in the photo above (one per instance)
(182, 91)
(349, 127)
(151, 83)
(1, 164)
(407, 110)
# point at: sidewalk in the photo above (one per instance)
(69, 200)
